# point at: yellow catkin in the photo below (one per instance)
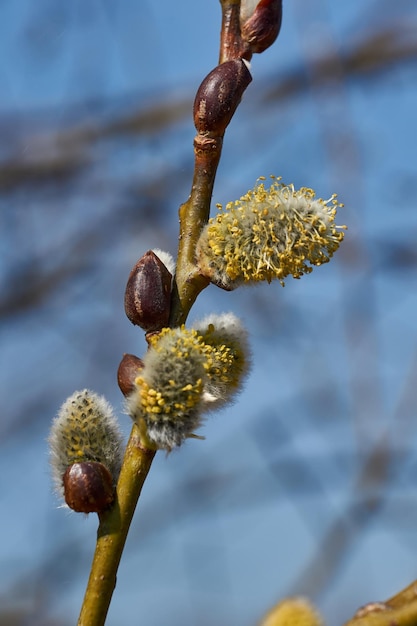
(85, 429)
(168, 391)
(186, 373)
(269, 234)
(293, 612)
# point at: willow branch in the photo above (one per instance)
(230, 40)
(188, 283)
(400, 610)
(194, 213)
(112, 532)
(409, 594)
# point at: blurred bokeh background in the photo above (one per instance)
(308, 484)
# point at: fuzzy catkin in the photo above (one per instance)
(268, 234)
(167, 394)
(229, 360)
(85, 429)
(187, 372)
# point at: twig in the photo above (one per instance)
(194, 214)
(409, 594)
(112, 532)
(230, 40)
(401, 610)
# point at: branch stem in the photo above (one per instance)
(400, 610)
(230, 40)
(409, 594)
(194, 214)
(112, 532)
(188, 283)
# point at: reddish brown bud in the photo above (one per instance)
(129, 369)
(263, 26)
(219, 95)
(88, 487)
(148, 293)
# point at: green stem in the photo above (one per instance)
(404, 616)
(400, 610)
(188, 283)
(409, 594)
(112, 532)
(194, 215)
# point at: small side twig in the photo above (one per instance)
(400, 610)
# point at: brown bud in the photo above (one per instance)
(88, 487)
(263, 26)
(219, 95)
(148, 293)
(129, 368)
